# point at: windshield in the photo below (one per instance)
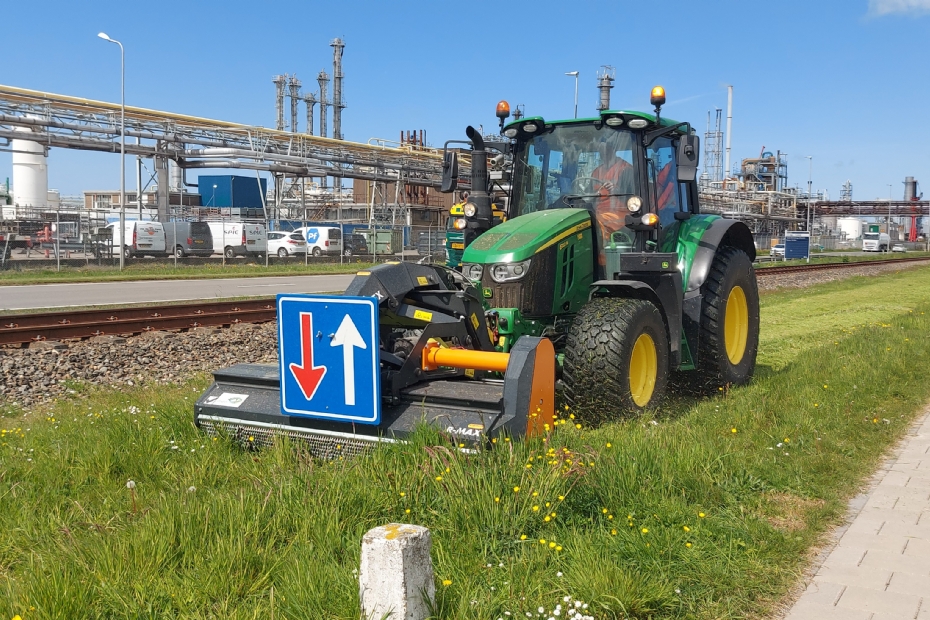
(574, 166)
(871, 236)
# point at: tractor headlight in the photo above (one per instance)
(472, 271)
(634, 204)
(511, 132)
(506, 272)
(470, 209)
(460, 224)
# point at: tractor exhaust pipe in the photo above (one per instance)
(479, 179)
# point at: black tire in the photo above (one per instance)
(317, 252)
(282, 252)
(179, 252)
(229, 252)
(127, 252)
(722, 361)
(601, 381)
(347, 252)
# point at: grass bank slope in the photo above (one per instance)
(709, 509)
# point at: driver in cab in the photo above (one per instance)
(614, 177)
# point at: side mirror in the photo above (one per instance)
(450, 172)
(689, 150)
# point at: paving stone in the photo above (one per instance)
(855, 576)
(910, 583)
(867, 599)
(845, 557)
(892, 543)
(824, 593)
(806, 610)
(896, 479)
(896, 561)
(918, 480)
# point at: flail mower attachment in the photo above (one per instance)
(435, 364)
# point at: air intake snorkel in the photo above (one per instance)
(479, 195)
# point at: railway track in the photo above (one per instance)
(79, 324)
(771, 271)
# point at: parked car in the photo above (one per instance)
(238, 238)
(322, 239)
(354, 243)
(286, 244)
(141, 238)
(189, 239)
(778, 251)
(898, 247)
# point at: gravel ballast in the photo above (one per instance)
(34, 376)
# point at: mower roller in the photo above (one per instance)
(604, 262)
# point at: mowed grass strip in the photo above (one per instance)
(165, 270)
(709, 509)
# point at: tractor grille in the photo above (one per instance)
(327, 446)
(533, 294)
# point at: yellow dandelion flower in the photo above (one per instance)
(548, 504)
(407, 512)
(497, 499)
(645, 530)
(688, 545)
(578, 426)
(402, 494)
(438, 478)
(701, 514)
(561, 497)
(686, 528)
(558, 547)
(447, 582)
(610, 516)
(547, 519)
(535, 493)
(535, 508)
(516, 489)
(613, 532)
(522, 536)
(733, 430)
(552, 545)
(604, 510)
(528, 466)
(608, 445)
(542, 541)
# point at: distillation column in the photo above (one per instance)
(279, 82)
(323, 81)
(293, 86)
(337, 46)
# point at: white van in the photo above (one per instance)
(142, 238)
(238, 238)
(322, 239)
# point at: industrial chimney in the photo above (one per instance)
(279, 82)
(337, 46)
(323, 80)
(310, 100)
(293, 86)
(605, 79)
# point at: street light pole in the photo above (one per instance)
(810, 227)
(575, 74)
(122, 144)
(888, 224)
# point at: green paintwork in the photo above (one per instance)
(517, 326)
(684, 238)
(454, 256)
(518, 239)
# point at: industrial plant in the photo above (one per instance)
(394, 184)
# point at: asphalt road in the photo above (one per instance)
(112, 293)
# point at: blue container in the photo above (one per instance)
(225, 191)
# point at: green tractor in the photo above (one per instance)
(606, 253)
(605, 274)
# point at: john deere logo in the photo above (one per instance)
(665, 264)
(487, 292)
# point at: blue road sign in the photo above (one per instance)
(797, 244)
(328, 357)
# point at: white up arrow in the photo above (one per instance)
(348, 338)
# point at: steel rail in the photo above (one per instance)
(26, 328)
(773, 271)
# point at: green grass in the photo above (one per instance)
(709, 509)
(825, 258)
(167, 271)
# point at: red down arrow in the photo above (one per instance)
(307, 375)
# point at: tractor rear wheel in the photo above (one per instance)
(729, 337)
(616, 359)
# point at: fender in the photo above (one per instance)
(663, 290)
(699, 239)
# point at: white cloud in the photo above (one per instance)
(878, 8)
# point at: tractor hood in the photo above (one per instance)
(520, 238)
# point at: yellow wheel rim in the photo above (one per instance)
(736, 325)
(644, 366)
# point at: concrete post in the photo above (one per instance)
(162, 196)
(396, 576)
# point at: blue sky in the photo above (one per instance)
(841, 80)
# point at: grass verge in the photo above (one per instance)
(709, 509)
(167, 271)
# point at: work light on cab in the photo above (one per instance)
(634, 204)
(470, 209)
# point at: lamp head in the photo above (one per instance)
(104, 36)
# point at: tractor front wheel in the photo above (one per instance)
(729, 322)
(616, 359)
